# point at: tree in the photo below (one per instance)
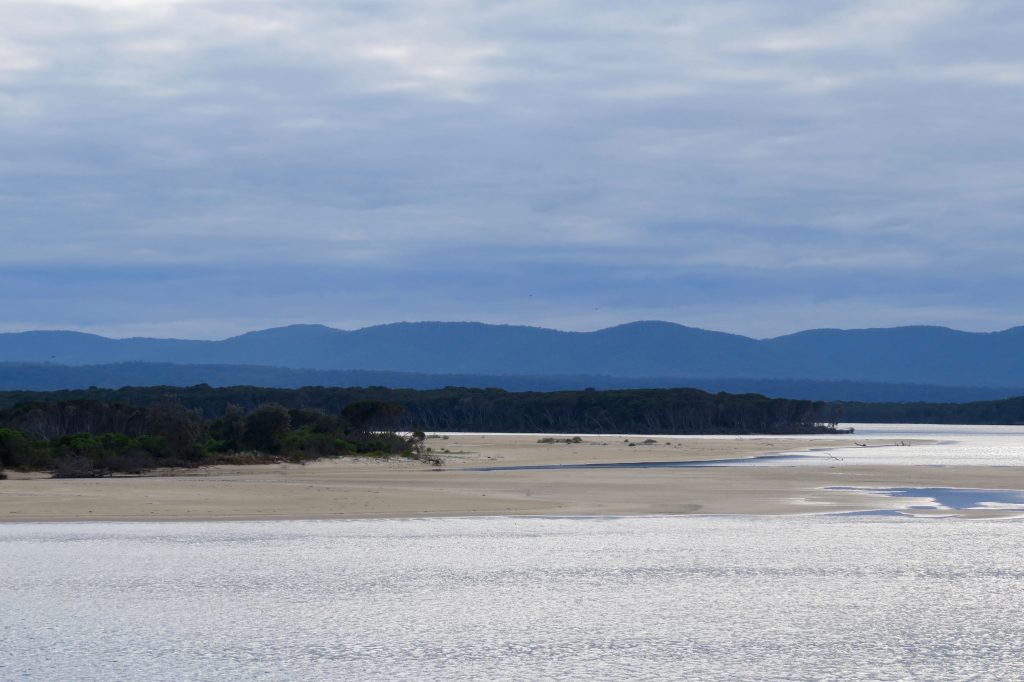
(14, 448)
(266, 427)
(368, 417)
(230, 428)
(181, 429)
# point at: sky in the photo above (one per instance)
(198, 169)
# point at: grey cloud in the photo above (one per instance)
(806, 143)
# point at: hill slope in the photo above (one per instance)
(921, 355)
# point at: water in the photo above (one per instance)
(953, 445)
(644, 598)
(874, 596)
(951, 499)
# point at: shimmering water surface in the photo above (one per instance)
(870, 597)
(709, 598)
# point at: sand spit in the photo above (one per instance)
(364, 488)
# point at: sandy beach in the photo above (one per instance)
(362, 488)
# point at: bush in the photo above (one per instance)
(366, 418)
(14, 448)
(131, 462)
(266, 427)
(304, 444)
(77, 466)
(88, 438)
(39, 458)
(180, 431)
(228, 429)
(113, 453)
(383, 443)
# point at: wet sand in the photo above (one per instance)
(401, 488)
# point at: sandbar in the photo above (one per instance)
(368, 488)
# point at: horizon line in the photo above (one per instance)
(497, 324)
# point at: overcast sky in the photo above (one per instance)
(199, 168)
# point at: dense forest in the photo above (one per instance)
(1008, 411)
(85, 438)
(651, 411)
(100, 431)
(93, 432)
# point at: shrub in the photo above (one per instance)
(304, 444)
(76, 466)
(131, 462)
(14, 448)
(266, 427)
(181, 430)
(227, 430)
(383, 443)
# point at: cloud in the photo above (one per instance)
(1011, 74)
(653, 143)
(864, 25)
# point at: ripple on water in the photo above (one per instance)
(711, 598)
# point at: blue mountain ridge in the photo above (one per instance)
(917, 355)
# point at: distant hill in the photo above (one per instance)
(50, 377)
(904, 355)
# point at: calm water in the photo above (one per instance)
(710, 598)
(951, 498)
(719, 598)
(956, 445)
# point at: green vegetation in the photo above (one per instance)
(567, 441)
(97, 432)
(89, 438)
(1008, 411)
(648, 411)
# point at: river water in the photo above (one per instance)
(639, 598)
(643, 598)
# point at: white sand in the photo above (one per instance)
(401, 488)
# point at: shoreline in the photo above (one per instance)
(366, 488)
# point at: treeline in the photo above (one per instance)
(101, 431)
(51, 377)
(614, 411)
(1009, 411)
(96, 431)
(653, 411)
(88, 437)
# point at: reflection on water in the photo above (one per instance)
(649, 598)
(952, 498)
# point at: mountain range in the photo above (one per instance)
(651, 350)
